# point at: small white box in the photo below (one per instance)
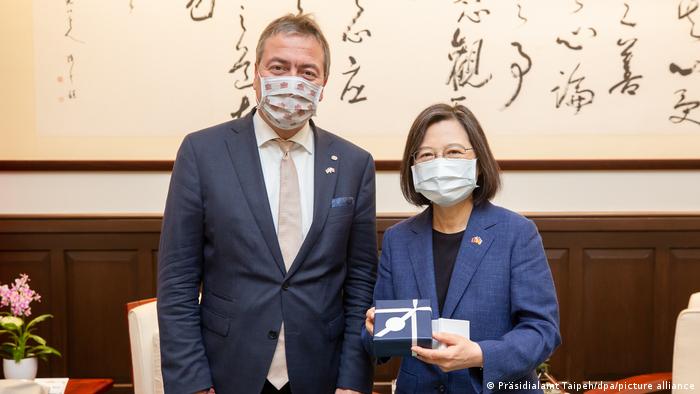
(452, 326)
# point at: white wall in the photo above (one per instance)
(617, 192)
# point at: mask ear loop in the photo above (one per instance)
(317, 98)
(262, 91)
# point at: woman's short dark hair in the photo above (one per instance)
(489, 179)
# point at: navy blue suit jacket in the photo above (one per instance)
(218, 232)
(501, 283)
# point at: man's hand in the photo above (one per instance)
(346, 391)
(210, 391)
(369, 321)
(460, 353)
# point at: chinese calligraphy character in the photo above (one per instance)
(69, 13)
(356, 36)
(623, 21)
(473, 11)
(71, 89)
(579, 97)
(686, 9)
(70, 60)
(674, 68)
(626, 84)
(575, 33)
(245, 104)
(241, 65)
(465, 63)
(686, 108)
(358, 89)
(202, 14)
(520, 16)
(518, 71)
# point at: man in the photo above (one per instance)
(275, 219)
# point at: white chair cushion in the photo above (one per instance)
(157, 373)
(694, 302)
(686, 347)
(143, 323)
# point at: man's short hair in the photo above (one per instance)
(295, 24)
(489, 179)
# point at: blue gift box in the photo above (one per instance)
(400, 324)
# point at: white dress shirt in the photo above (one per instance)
(271, 159)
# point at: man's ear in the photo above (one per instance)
(256, 84)
(256, 80)
(325, 81)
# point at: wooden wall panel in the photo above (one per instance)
(618, 311)
(621, 282)
(685, 271)
(99, 284)
(559, 264)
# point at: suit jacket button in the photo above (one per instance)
(285, 286)
(272, 334)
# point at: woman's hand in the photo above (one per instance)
(369, 321)
(460, 353)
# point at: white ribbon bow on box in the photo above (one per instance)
(395, 324)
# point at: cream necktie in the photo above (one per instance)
(289, 214)
(289, 237)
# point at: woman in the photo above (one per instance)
(473, 260)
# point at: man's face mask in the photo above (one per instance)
(288, 101)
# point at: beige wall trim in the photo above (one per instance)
(381, 165)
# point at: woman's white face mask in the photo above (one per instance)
(445, 182)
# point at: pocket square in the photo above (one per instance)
(342, 202)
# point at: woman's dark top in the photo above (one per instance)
(445, 249)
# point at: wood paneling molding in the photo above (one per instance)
(381, 165)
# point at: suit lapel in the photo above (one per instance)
(324, 188)
(475, 243)
(421, 256)
(243, 151)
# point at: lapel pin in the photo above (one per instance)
(476, 240)
(330, 170)
(334, 157)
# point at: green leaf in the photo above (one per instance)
(14, 336)
(10, 326)
(38, 339)
(18, 354)
(43, 350)
(37, 320)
